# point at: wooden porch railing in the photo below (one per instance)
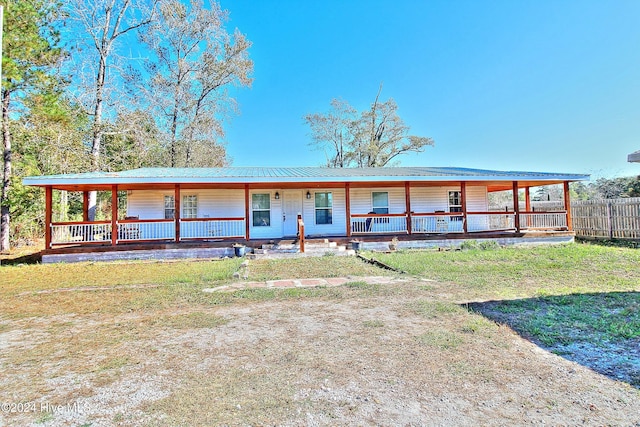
(437, 222)
(64, 233)
(378, 223)
(132, 230)
(212, 228)
(537, 220)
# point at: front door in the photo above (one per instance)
(291, 207)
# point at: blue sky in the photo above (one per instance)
(510, 85)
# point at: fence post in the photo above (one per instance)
(610, 219)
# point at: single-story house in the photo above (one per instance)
(634, 157)
(257, 204)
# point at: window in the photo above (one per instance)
(261, 209)
(190, 206)
(169, 207)
(380, 202)
(455, 204)
(324, 208)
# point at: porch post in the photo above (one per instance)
(114, 215)
(246, 212)
(347, 201)
(463, 202)
(516, 206)
(85, 206)
(407, 201)
(567, 205)
(527, 206)
(176, 214)
(48, 206)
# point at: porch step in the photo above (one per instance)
(291, 249)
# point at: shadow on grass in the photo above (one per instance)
(34, 258)
(600, 331)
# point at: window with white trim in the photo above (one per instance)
(324, 208)
(380, 202)
(261, 209)
(455, 204)
(169, 207)
(190, 206)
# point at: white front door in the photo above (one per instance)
(291, 207)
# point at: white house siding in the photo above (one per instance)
(149, 204)
(225, 203)
(431, 199)
(339, 214)
(362, 203)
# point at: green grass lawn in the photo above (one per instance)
(525, 272)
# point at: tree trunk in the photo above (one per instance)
(97, 128)
(6, 174)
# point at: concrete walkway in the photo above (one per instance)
(305, 283)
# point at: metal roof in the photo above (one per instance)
(294, 175)
(634, 157)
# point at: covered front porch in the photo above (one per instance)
(414, 219)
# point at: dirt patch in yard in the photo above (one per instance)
(395, 354)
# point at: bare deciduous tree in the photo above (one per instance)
(195, 61)
(371, 138)
(102, 24)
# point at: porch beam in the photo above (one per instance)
(85, 206)
(246, 212)
(516, 206)
(463, 202)
(176, 211)
(347, 201)
(114, 215)
(567, 204)
(48, 214)
(407, 202)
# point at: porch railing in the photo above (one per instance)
(439, 222)
(63, 233)
(491, 221)
(378, 223)
(544, 220)
(212, 228)
(146, 229)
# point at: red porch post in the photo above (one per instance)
(567, 205)
(347, 201)
(463, 202)
(176, 211)
(48, 206)
(407, 201)
(85, 206)
(516, 206)
(246, 212)
(527, 199)
(114, 215)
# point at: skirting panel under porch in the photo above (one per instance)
(455, 243)
(151, 254)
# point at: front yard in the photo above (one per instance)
(141, 344)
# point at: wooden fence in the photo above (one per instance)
(607, 218)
